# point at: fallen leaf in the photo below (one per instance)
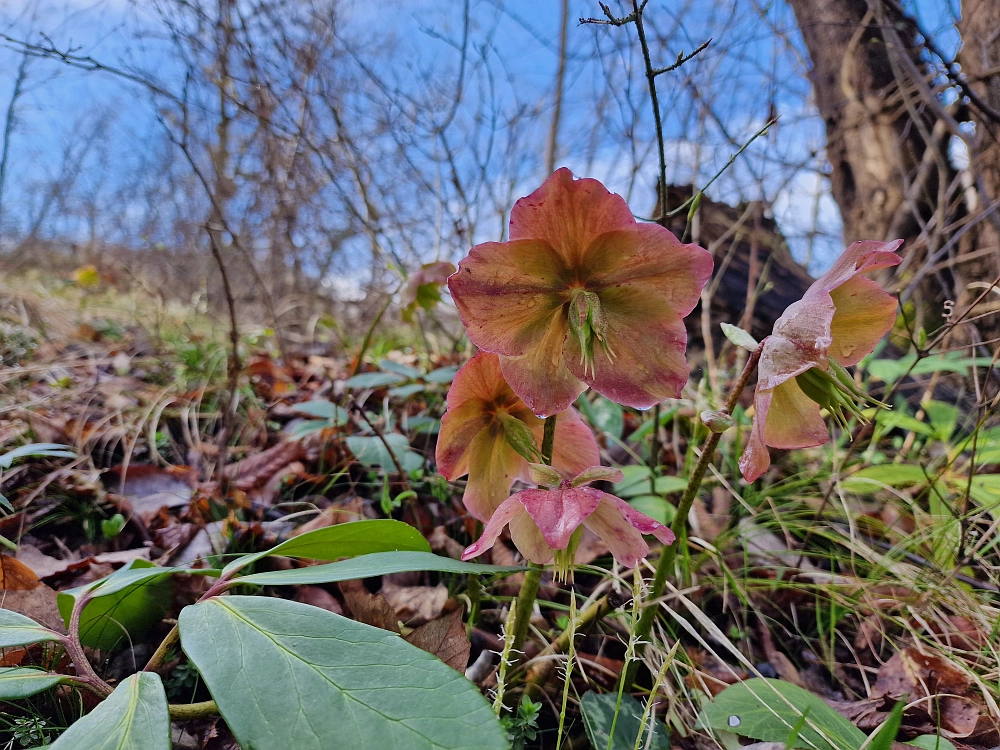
(369, 608)
(254, 471)
(416, 605)
(38, 603)
(15, 575)
(149, 488)
(342, 510)
(318, 597)
(445, 638)
(42, 565)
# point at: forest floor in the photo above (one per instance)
(866, 573)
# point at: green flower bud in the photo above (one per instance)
(717, 421)
(587, 325)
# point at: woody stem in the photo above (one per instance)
(533, 576)
(679, 526)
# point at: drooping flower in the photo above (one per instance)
(838, 321)
(582, 295)
(545, 524)
(487, 432)
(423, 288)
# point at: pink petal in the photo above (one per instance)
(859, 257)
(529, 540)
(624, 541)
(793, 419)
(575, 446)
(558, 513)
(598, 474)
(507, 293)
(540, 376)
(569, 214)
(508, 510)
(640, 521)
(756, 459)
(864, 314)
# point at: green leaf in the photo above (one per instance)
(891, 370)
(23, 682)
(943, 417)
(405, 391)
(739, 337)
(884, 737)
(411, 373)
(890, 419)
(599, 712)
(46, 450)
(441, 375)
(343, 540)
(371, 451)
(6, 504)
(126, 604)
(337, 415)
(872, 478)
(931, 742)
(766, 709)
(636, 482)
(374, 380)
(18, 630)
(133, 717)
(288, 675)
(367, 566)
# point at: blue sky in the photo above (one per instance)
(710, 107)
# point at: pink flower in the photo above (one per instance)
(544, 522)
(582, 295)
(838, 321)
(483, 424)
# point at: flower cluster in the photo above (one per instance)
(582, 295)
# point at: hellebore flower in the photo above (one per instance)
(546, 524)
(423, 288)
(839, 320)
(489, 434)
(582, 295)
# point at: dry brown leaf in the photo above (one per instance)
(369, 608)
(445, 638)
(16, 576)
(318, 597)
(945, 688)
(42, 565)
(38, 603)
(257, 469)
(415, 605)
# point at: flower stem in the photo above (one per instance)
(84, 670)
(533, 576)
(161, 651)
(679, 526)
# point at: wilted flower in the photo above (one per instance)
(838, 321)
(489, 434)
(546, 524)
(423, 288)
(582, 295)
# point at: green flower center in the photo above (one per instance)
(588, 325)
(836, 391)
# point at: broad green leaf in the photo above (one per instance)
(367, 566)
(288, 675)
(872, 478)
(890, 418)
(371, 451)
(374, 380)
(441, 375)
(891, 370)
(655, 507)
(126, 604)
(984, 489)
(134, 717)
(931, 742)
(46, 450)
(636, 482)
(412, 373)
(604, 414)
(23, 682)
(18, 630)
(338, 415)
(6, 504)
(988, 457)
(599, 712)
(739, 337)
(766, 709)
(423, 425)
(344, 540)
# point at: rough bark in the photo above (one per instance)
(872, 146)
